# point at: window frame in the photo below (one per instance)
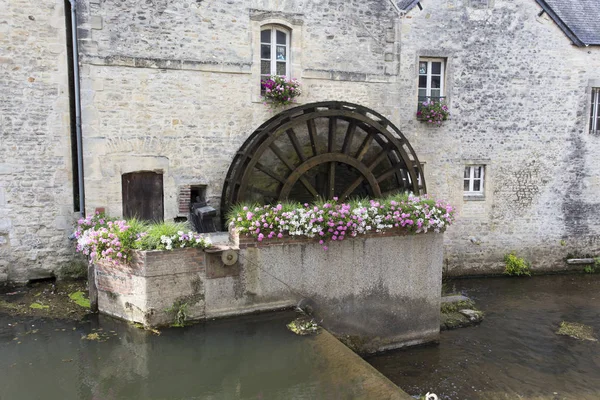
(472, 179)
(429, 61)
(273, 60)
(595, 111)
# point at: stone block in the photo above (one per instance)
(5, 225)
(96, 22)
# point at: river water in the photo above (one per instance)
(253, 357)
(514, 353)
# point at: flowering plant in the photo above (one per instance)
(280, 91)
(100, 237)
(333, 221)
(433, 112)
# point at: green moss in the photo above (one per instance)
(516, 266)
(180, 311)
(577, 331)
(459, 305)
(453, 320)
(80, 299)
(9, 306)
(38, 306)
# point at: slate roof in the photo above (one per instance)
(406, 5)
(578, 19)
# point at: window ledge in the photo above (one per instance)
(473, 197)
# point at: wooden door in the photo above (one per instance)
(143, 196)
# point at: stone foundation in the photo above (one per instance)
(377, 292)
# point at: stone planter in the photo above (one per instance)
(152, 286)
(375, 291)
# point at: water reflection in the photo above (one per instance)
(514, 353)
(255, 358)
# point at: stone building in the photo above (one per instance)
(171, 95)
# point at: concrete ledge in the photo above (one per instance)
(342, 365)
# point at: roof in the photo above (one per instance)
(406, 5)
(579, 20)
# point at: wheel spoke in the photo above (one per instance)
(349, 136)
(351, 188)
(364, 147)
(312, 133)
(331, 179)
(269, 172)
(332, 133)
(390, 172)
(280, 155)
(294, 139)
(378, 159)
(309, 187)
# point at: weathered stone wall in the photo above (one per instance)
(173, 86)
(519, 96)
(36, 195)
(176, 88)
(152, 288)
(380, 291)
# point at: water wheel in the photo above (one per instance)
(322, 150)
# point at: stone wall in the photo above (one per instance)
(36, 194)
(164, 93)
(173, 86)
(519, 96)
(151, 289)
(177, 88)
(379, 291)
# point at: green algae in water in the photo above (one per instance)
(38, 306)
(577, 331)
(9, 306)
(79, 299)
(303, 326)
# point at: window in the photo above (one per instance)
(274, 52)
(473, 181)
(431, 79)
(595, 111)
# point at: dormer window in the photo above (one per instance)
(274, 52)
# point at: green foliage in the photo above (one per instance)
(593, 269)
(180, 311)
(516, 266)
(154, 232)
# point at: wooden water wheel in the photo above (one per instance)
(322, 150)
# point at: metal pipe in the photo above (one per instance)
(77, 107)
